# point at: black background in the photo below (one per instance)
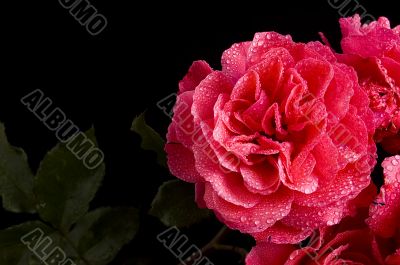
(107, 80)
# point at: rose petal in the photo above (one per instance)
(271, 71)
(262, 178)
(338, 96)
(327, 167)
(268, 211)
(317, 50)
(248, 87)
(197, 72)
(199, 194)
(183, 119)
(358, 246)
(228, 185)
(393, 259)
(269, 253)
(232, 120)
(234, 60)
(263, 42)
(385, 212)
(206, 94)
(272, 123)
(301, 169)
(254, 114)
(313, 217)
(217, 152)
(282, 234)
(347, 185)
(181, 162)
(351, 138)
(366, 40)
(318, 75)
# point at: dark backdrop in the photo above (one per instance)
(107, 80)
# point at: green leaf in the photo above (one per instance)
(101, 234)
(16, 178)
(151, 140)
(175, 205)
(95, 239)
(12, 250)
(65, 187)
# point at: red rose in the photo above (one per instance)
(278, 142)
(374, 51)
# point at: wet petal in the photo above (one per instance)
(385, 212)
(269, 253)
(206, 94)
(197, 72)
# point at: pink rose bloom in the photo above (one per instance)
(278, 142)
(374, 51)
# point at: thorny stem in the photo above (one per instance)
(214, 245)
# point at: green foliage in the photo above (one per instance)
(151, 140)
(175, 205)
(65, 187)
(16, 178)
(61, 193)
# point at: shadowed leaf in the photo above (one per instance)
(175, 205)
(151, 140)
(65, 187)
(16, 178)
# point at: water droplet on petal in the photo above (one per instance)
(307, 191)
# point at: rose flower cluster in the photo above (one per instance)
(281, 145)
